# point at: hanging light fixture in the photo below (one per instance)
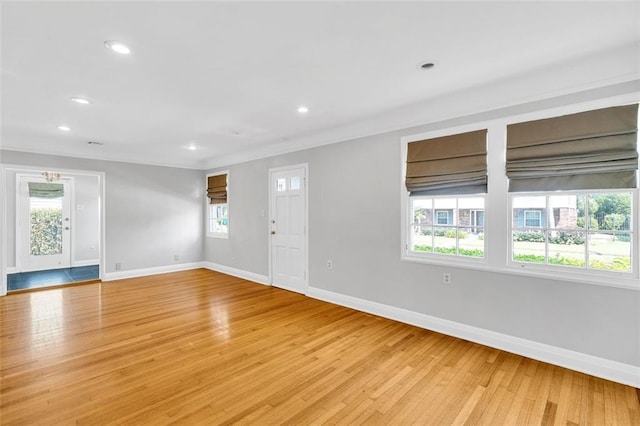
(51, 176)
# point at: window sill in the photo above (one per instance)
(444, 260)
(223, 236)
(625, 282)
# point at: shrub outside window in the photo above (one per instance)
(588, 230)
(451, 226)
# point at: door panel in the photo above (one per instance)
(296, 208)
(44, 224)
(288, 229)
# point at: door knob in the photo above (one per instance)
(273, 232)
(66, 228)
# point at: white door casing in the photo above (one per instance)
(288, 227)
(26, 261)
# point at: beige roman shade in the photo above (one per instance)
(217, 189)
(590, 150)
(455, 164)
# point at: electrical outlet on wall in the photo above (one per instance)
(118, 266)
(446, 278)
(329, 264)
(176, 257)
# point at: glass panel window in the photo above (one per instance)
(447, 226)
(529, 246)
(579, 230)
(281, 184)
(218, 218)
(46, 226)
(295, 183)
(218, 205)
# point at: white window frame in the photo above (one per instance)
(407, 254)
(560, 269)
(454, 226)
(498, 205)
(209, 205)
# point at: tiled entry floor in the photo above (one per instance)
(38, 279)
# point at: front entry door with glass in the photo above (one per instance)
(43, 224)
(289, 228)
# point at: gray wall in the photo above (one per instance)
(151, 212)
(10, 191)
(86, 223)
(350, 178)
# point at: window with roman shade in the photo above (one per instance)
(448, 165)
(217, 189)
(589, 150)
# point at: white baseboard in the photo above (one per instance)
(90, 262)
(133, 273)
(293, 289)
(251, 276)
(599, 367)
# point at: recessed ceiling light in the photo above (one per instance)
(118, 46)
(82, 101)
(191, 147)
(64, 128)
(303, 109)
(427, 65)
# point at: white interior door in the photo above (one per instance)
(43, 224)
(288, 222)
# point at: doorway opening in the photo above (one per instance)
(58, 232)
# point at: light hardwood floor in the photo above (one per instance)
(199, 347)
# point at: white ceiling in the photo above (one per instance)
(228, 77)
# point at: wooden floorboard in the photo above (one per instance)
(200, 347)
